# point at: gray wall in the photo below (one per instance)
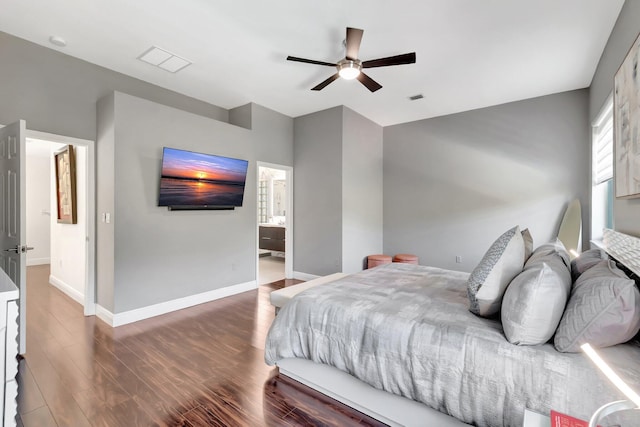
(317, 190)
(626, 212)
(105, 179)
(241, 116)
(337, 191)
(272, 136)
(361, 190)
(453, 184)
(57, 93)
(161, 255)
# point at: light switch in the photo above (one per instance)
(107, 217)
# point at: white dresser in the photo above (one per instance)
(8, 349)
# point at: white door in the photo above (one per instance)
(12, 215)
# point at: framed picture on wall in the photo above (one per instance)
(626, 118)
(66, 185)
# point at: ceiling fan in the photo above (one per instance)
(351, 67)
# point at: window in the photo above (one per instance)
(602, 171)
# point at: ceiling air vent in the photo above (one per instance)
(164, 59)
(416, 97)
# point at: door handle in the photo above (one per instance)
(19, 249)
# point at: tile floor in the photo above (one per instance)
(271, 269)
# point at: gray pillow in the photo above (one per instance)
(489, 280)
(585, 261)
(603, 310)
(528, 243)
(554, 247)
(533, 304)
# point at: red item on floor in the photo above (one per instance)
(559, 419)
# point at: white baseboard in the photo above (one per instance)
(304, 276)
(72, 292)
(119, 319)
(38, 261)
(90, 310)
(105, 315)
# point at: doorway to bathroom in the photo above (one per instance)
(275, 223)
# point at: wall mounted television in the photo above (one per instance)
(192, 181)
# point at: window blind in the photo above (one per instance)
(603, 149)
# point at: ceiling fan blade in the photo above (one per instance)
(407, 58)
(354, 37)
(310, 61)
(371, 84)
(326, 82)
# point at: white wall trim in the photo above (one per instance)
(119, 319)
(104, 314)
(304, 276)
(69, 290)
(60, 139)
(38, 261)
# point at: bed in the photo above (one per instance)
(405, 332)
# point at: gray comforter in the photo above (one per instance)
(406, 329)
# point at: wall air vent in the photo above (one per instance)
(164, 59)
(416, 97)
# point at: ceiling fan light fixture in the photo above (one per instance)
(349, 70)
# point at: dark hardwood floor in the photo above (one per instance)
(202, 366)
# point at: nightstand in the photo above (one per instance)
(534, 419)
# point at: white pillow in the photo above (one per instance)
(489, 280)
(534, 301)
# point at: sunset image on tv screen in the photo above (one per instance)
(197, 179)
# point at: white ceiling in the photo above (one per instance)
(470, 53)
